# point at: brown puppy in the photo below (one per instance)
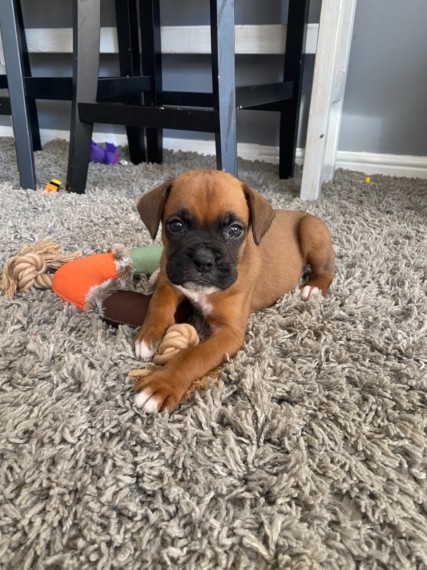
(230, 253)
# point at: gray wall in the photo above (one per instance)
(386, 96)
(384, 107)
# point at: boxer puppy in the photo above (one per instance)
(229, 253)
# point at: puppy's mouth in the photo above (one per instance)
(192, 280)
(198, 282)
(197, 287)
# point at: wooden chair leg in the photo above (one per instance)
(224, 83)
(294, 63)
(130, 66)
(326, 101)
(86, 34)
(13, 55)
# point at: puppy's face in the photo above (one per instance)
(207, 216)
(204, 226)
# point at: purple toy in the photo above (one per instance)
(109, 155)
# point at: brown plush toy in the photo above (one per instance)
(130, 307)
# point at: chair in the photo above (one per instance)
(18, 104)
(24, 90)
(213, 112)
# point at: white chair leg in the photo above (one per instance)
(330, 73)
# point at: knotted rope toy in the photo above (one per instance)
(177, 337)
(30, 265)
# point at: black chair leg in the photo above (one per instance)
(130, 66)
(13, 55)
(294, 62)
(86, 34)
(152, 66)
(224, 83)
(32, 107)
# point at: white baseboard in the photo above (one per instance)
(369, 163)
(245, 150)
(387, 164)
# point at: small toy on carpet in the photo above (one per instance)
(53, 186)
(108, 155)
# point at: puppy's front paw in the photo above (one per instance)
(148, 340)
(157, 393)
(308, 291)
(143, 350)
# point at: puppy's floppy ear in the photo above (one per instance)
(150, 207)
(261, 212)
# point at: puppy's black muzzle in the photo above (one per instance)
(200, 265)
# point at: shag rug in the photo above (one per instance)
(310, 451)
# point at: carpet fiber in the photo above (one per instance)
(310, 452)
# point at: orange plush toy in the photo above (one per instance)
(74, 281)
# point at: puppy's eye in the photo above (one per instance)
(234, 231)
(176, 226)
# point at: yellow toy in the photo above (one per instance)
(53, 186)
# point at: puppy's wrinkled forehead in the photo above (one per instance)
(208, 194)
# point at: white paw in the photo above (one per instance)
(148, 404)
(143, 351)
(307, 292)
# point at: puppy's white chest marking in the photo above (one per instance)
(199, 298)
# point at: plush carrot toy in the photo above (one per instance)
(84, 279)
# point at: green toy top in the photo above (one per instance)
(146, 259)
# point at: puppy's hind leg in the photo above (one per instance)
(316, 246)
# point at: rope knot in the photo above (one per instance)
(29, 271)
(27, 268)
(177, 337)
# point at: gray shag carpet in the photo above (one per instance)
(310, 452)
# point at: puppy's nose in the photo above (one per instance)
(203, 259)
